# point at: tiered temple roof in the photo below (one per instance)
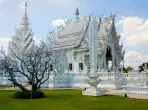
(75, 33)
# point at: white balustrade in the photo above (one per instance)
(135, 90)
(108, 80)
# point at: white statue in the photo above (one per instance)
(109, 65)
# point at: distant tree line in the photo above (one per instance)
(127, 69)
(141, 68)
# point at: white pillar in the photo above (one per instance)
(93, 45)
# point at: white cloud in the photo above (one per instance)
(2, 1)
(4, 42)
(58, 22)
(133, 58)
(21, 5)
(134, 30)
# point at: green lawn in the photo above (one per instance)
(70, 100)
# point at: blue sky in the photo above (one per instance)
(42, 13)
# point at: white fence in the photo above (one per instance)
(135, 90)
(135, 82)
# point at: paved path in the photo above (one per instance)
(133, 96)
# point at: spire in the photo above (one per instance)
(77, 13)
(25, 23)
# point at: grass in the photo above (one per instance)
(69, 100)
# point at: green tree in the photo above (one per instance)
(127, 69)
(124, 70)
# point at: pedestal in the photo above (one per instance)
(92, 91)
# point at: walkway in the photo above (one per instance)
(133, 96)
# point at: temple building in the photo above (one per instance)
(91, 45)
(89, 42)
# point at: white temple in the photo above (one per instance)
(91, 46)
(23, 40)
(90, 42)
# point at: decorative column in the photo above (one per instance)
(100, 62)
(113, 62)
(117, 63)
(93, 52)
(105, 65)
(93, 44)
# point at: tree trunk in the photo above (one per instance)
(20, 86)
(33, 90)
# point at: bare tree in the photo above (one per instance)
(34, 66)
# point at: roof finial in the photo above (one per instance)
(77, 13)
(25, 13)
(24, 23)
(26, 5)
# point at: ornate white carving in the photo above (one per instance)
(23, 40)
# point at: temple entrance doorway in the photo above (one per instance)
(109, 58)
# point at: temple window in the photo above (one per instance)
(70, 66)
(81, 66)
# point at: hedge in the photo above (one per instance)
(27, 95)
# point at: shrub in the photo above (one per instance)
(22, 95)
(27, 95)
(37, 95)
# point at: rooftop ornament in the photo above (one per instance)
(77, 13)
